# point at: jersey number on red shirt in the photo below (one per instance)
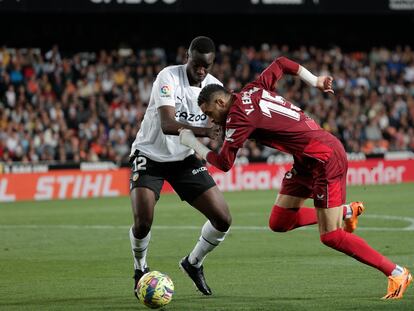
(277, 104)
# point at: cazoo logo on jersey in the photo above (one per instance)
(190, 116)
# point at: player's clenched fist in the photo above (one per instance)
(324, 83)
(214, 132)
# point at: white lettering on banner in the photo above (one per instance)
(64, 182)
(90, 186)
(77, 187)
(238, 179)
(44, 188)
(132, 1)
(285, 2)
(106, 189)
(84, 186)
(25, 168)
(4, 197)
(377, 175)
(97, 166)
(401, 4)
(241, 177)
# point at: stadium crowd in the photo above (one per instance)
(89, 106)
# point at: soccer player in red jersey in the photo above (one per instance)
(320, 162)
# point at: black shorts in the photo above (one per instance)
(189, 178)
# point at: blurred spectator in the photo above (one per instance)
(88, 106)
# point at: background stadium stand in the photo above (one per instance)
(83, 97)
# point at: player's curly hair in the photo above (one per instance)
(202, 45)
(207, 93)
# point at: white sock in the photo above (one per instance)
(139, 250)
(348, 211)
(209, 239)
(398, 270)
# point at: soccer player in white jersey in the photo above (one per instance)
(157, 155)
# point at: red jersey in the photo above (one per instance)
(260, 113)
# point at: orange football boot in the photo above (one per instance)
(397, 285)
(350, 223)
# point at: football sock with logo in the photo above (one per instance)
(398, 270)
(285, 219)
(347, 213)
(209, 239)
(356, 247)
(139, 250)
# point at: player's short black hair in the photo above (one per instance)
(208, 92)
(203, 45)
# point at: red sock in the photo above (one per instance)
(285, 219)
(356, 247)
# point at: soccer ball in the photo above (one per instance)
(155, 289)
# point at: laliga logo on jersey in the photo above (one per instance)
(165, 91)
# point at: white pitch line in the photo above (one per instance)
(410, 220)
(410, 227)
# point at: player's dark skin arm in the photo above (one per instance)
(170, 126)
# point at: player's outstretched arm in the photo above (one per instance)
(283, 65)
(170, 126)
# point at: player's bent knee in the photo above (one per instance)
(277, 226)
(222, 224)
(141, 228)
(227, 222)
(333, 239)
(279, 220)
(279, 229)
(221, 220)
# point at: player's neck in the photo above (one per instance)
(231, 100)
(192, 82)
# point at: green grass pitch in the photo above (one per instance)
(75, 255)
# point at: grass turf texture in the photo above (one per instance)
(75, 255)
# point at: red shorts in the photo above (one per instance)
(325, 182)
